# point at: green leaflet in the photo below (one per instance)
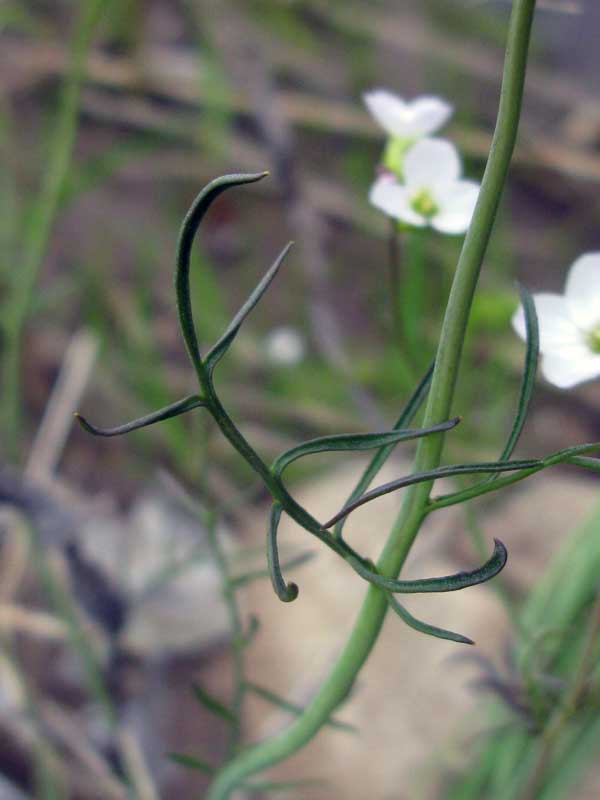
(432, 475)
(529, 372)
(355, 441)
(219, 349)
(188, 232)
(286, 592)
(572, 455)
(447, 583)
(168, 412)
(424, 627)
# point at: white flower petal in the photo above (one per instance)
(420, 117)
(431, 163)
(393, 198)
(582, 291)
(389, 110)
(428, 115)
(567, 368)
(457, 203)
(557, 330)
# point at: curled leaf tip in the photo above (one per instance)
(286, 592)
(292, 592)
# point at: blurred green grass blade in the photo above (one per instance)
(41, 218)
(349, 442)
(220, 348)
(529, 372)
(293, 708)
(213, 705)
(424, 627)
(191, 762)
(406, 417)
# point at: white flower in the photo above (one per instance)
(569, 326)
(285, 347)
(432, 193)
(407, 119)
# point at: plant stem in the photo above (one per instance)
(37, 232)
(414, 508)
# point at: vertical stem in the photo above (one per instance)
(414, 508)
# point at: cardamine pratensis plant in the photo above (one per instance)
(435, 392)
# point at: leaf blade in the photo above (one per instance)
(433, 475)
(425, 627)
(168, 412)
(446, 583)
(346, 442)
(219, 349)
(529, 372)
(189, 228)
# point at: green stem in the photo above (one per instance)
(414, 508)
(37, 233)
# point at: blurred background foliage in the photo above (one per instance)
(114, 114)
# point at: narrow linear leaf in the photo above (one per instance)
(570, 454)
(212, 704)
(432, 475)
(447, 583)
(286, 592)
(345, 442)
(248, 577)
(592, 464)
(174, 410)
(406, 417)
(218, 350)
(424, 627)
(192, 763)
(565, 455)
(188, 232)
(529, 372)
(293, 708)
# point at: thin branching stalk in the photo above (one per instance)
(341, 679)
